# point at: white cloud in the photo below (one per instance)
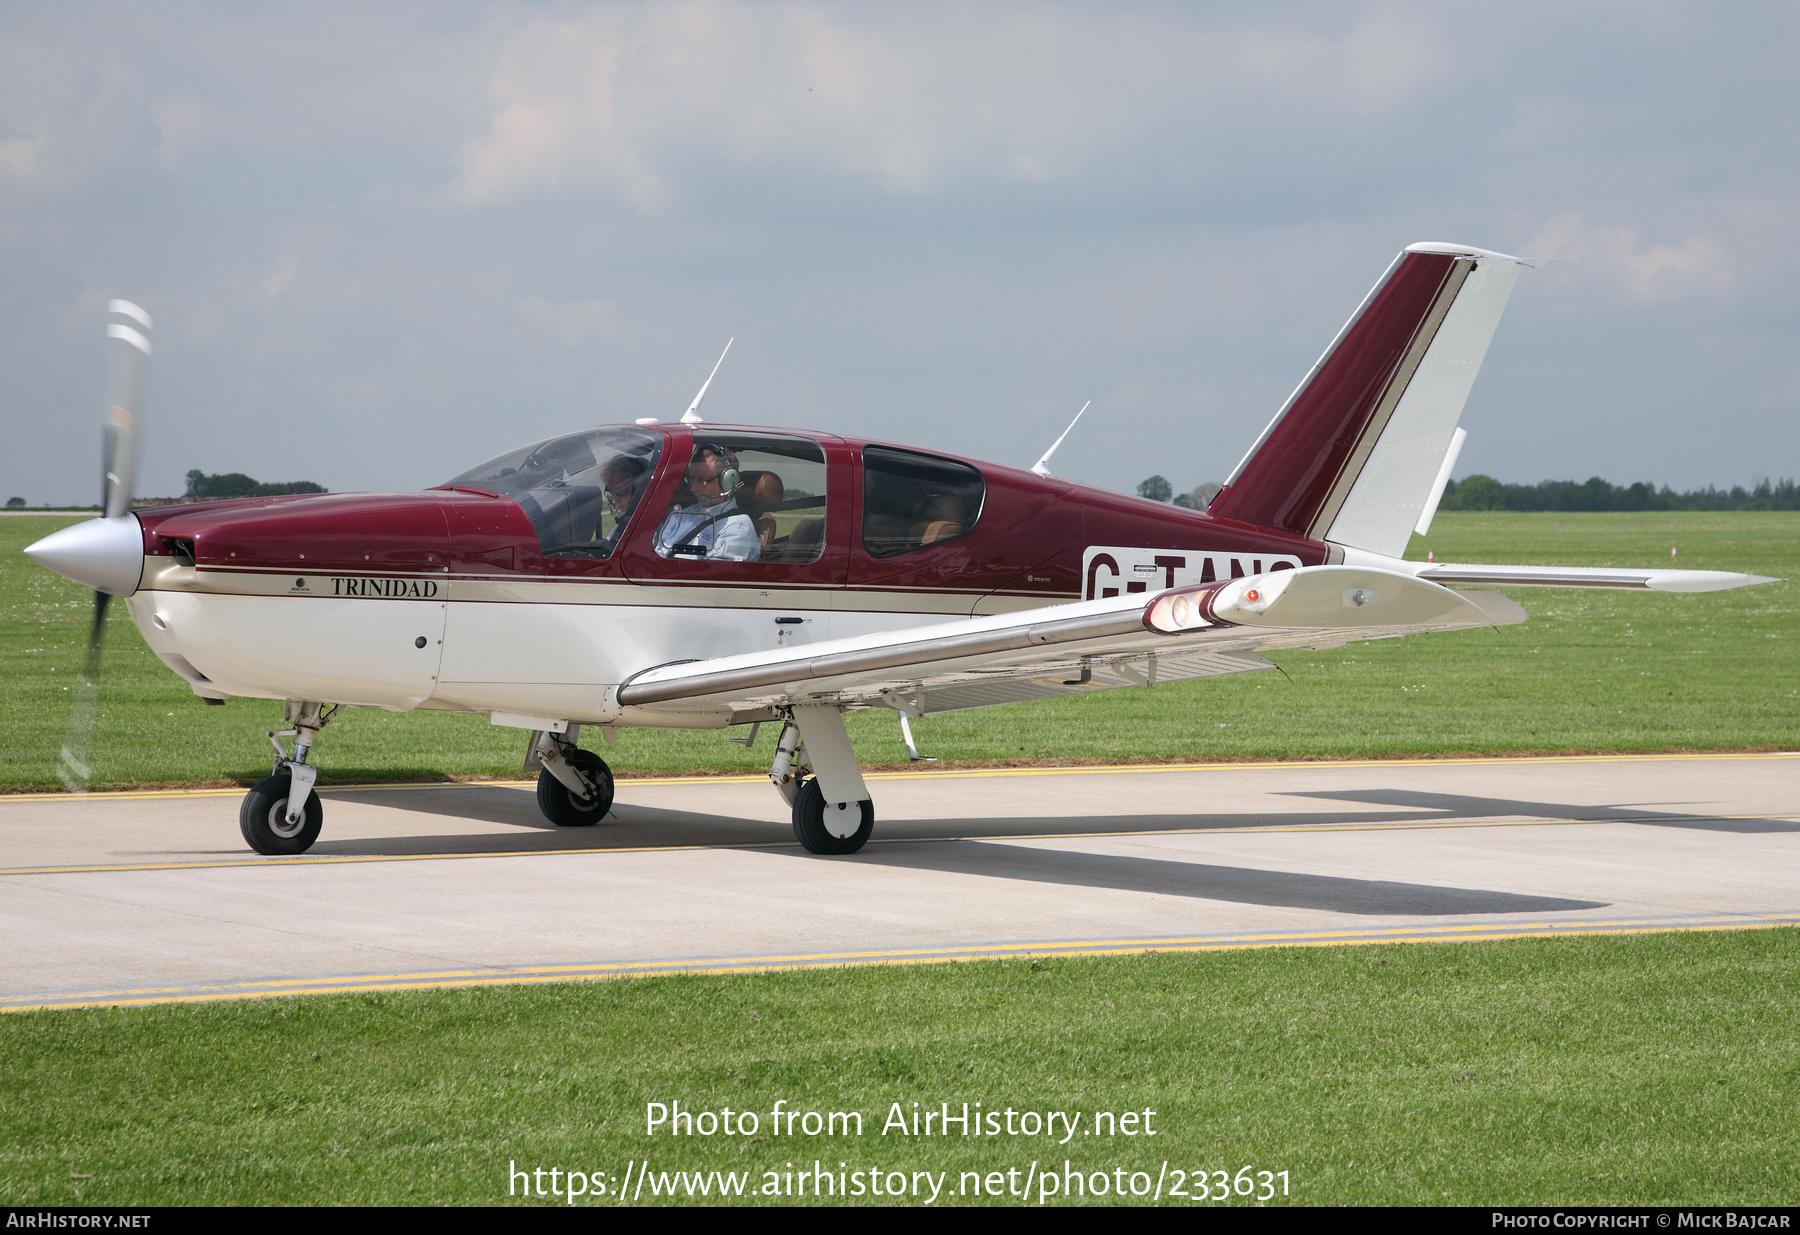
(1699, 265)
(276, 280)
(570, 321)
(639, 102)
(20, 154)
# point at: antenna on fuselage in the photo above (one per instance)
(692, 415)
(1042, 466)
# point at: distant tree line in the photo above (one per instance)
(236, 484)
(1479, 492)
(1158, 489)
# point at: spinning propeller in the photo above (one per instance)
(107, 553)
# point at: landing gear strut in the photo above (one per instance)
(575, 787)
(282, 815)
(832, 811)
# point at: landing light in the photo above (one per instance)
(1173, 615)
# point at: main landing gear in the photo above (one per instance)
(575, 787)
(832, 811)
(282, 815)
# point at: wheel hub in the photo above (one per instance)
(278, 822)
(842, 818)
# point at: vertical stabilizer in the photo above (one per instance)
(1353, 454)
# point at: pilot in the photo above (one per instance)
(713, 528)
(623, 476)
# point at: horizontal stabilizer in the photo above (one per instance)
(1459, 574)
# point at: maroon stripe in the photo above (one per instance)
(1286, 483)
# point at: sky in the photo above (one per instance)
(382, 243)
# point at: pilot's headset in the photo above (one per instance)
(729, 477)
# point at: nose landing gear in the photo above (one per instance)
(282, 815)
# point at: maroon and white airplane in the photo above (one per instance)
(699, 576)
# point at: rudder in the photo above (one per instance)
(1352, 455)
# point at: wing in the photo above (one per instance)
(1184, 633)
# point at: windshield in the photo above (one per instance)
(579, 491)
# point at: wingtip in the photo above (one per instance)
(1705, 580)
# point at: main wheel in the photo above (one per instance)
(566, 810)
(824, 827)
(263, 818)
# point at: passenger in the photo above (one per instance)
(713, 528)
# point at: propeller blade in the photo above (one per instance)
(75, 768)
(128, 340)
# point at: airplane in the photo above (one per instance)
(693, 575)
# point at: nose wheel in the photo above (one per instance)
(263, 818)
(268, 818)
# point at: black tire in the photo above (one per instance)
(263, 819)
(566, 810)
(817, 834)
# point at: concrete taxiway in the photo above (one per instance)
(151, 897)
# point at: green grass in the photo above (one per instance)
(1643, 1070)
(1591, 671)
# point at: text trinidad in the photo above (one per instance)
(413, 589)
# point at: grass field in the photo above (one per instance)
(1646, 1070)
(1590, 671)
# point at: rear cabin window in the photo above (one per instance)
(911, 501)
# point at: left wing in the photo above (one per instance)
(1132, 640)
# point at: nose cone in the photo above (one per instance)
(105, 554)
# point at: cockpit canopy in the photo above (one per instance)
(578, 489)
(746, 496)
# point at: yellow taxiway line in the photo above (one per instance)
(1121, 769)
(525, 975)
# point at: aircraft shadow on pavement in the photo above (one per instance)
(1237, 884)
(627, 827)
(523, 829)
(636, 827)
(1459, 806)
(631, 826)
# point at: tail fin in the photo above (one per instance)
(1353, 455)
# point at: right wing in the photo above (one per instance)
(1130, 640)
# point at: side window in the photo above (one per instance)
(910, 501)
(747, 498)
(579, 491)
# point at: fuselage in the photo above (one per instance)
(452, 599)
